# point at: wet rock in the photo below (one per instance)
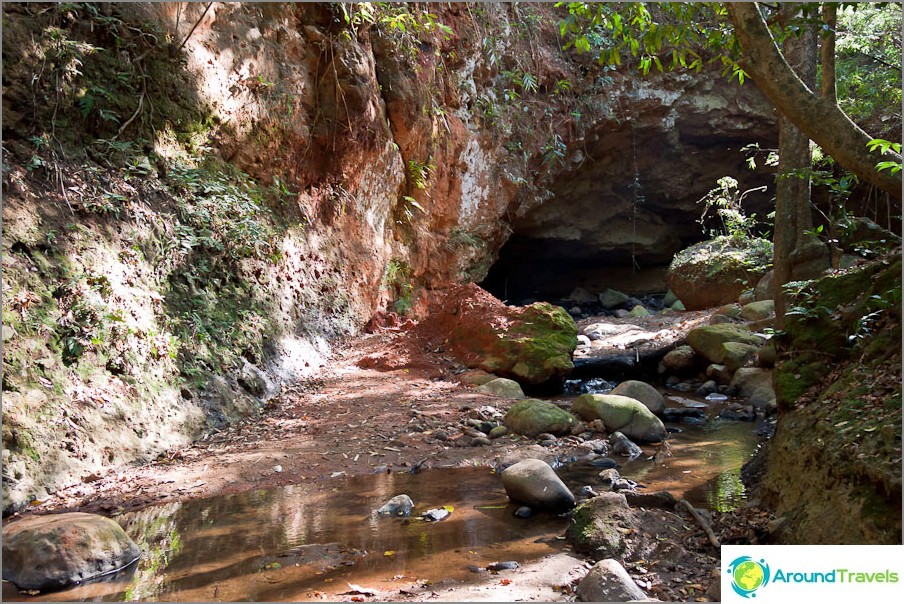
(738, 355)
(604, 462)
(660, 499)
(707, 340)
(498, 432)
(678, 305)
(669, 298)
(749, 379)
(756, 311)
(622, 445)
(535, 484)
(763, 400)
(706, 388)
(628, 415)
(583, 341)
(738, 412)
(400, 505)
(575, 311)
(643, 392)
(715, 272)
(502, 387)
(598, 446)
(682, 360)
(532, 451)
(524, 512)
(623, 484)
(436, 515)
(611, 299)
(609, 476)
(677, 414)
(608, 581)
(719, 373)
(51, 552)
(531, 417)
(507, 565)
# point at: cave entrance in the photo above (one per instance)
(550, 270)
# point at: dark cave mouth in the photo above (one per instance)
(530, 269)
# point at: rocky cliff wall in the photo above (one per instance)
(199, 200)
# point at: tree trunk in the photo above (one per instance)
(819, 118)
(797, 255)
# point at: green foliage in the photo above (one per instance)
(554, 150)
(883, 146)
(726, 201)
(868, 65)
(397, 277)
(686, 35)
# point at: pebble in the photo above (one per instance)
(498, 431)
(440, 435)
(524, 512)
(508, 565)
(481, 441)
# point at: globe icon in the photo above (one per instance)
(749, 575)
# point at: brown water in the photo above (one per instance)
(305, 542)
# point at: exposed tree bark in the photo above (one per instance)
(830, 20)
(819, 118)
(797, 255)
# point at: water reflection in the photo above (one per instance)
(305, 541)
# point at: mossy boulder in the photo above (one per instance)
(643, 392)
(594, 527)
(502, 387)
(738, 354)
(756, 311)
(627, 415)
(707, 340)
(51, 552)
(531, 417)
(717, 271)
(532, 345)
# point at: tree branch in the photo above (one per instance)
(819, 118)
(827, 51)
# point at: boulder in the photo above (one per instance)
(581, 296)
(628, 415)
(531, 344)
(608, 581)
(51, 552)
(533, 483)
(669, 298)
(756, 311)
(475, 377)
(682, 360)
(707, 340)
(502, 387)
(611, 299)
(596, 526)
(737, 355)
(400, 505)
(749, 379)
(622, 445)
(638, 311)
(764, 289)
(715, 272)
(531, 417)
(643, 392)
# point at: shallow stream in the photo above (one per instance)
(304, 542)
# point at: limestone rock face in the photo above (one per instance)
(51, 552)
(535, 484)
